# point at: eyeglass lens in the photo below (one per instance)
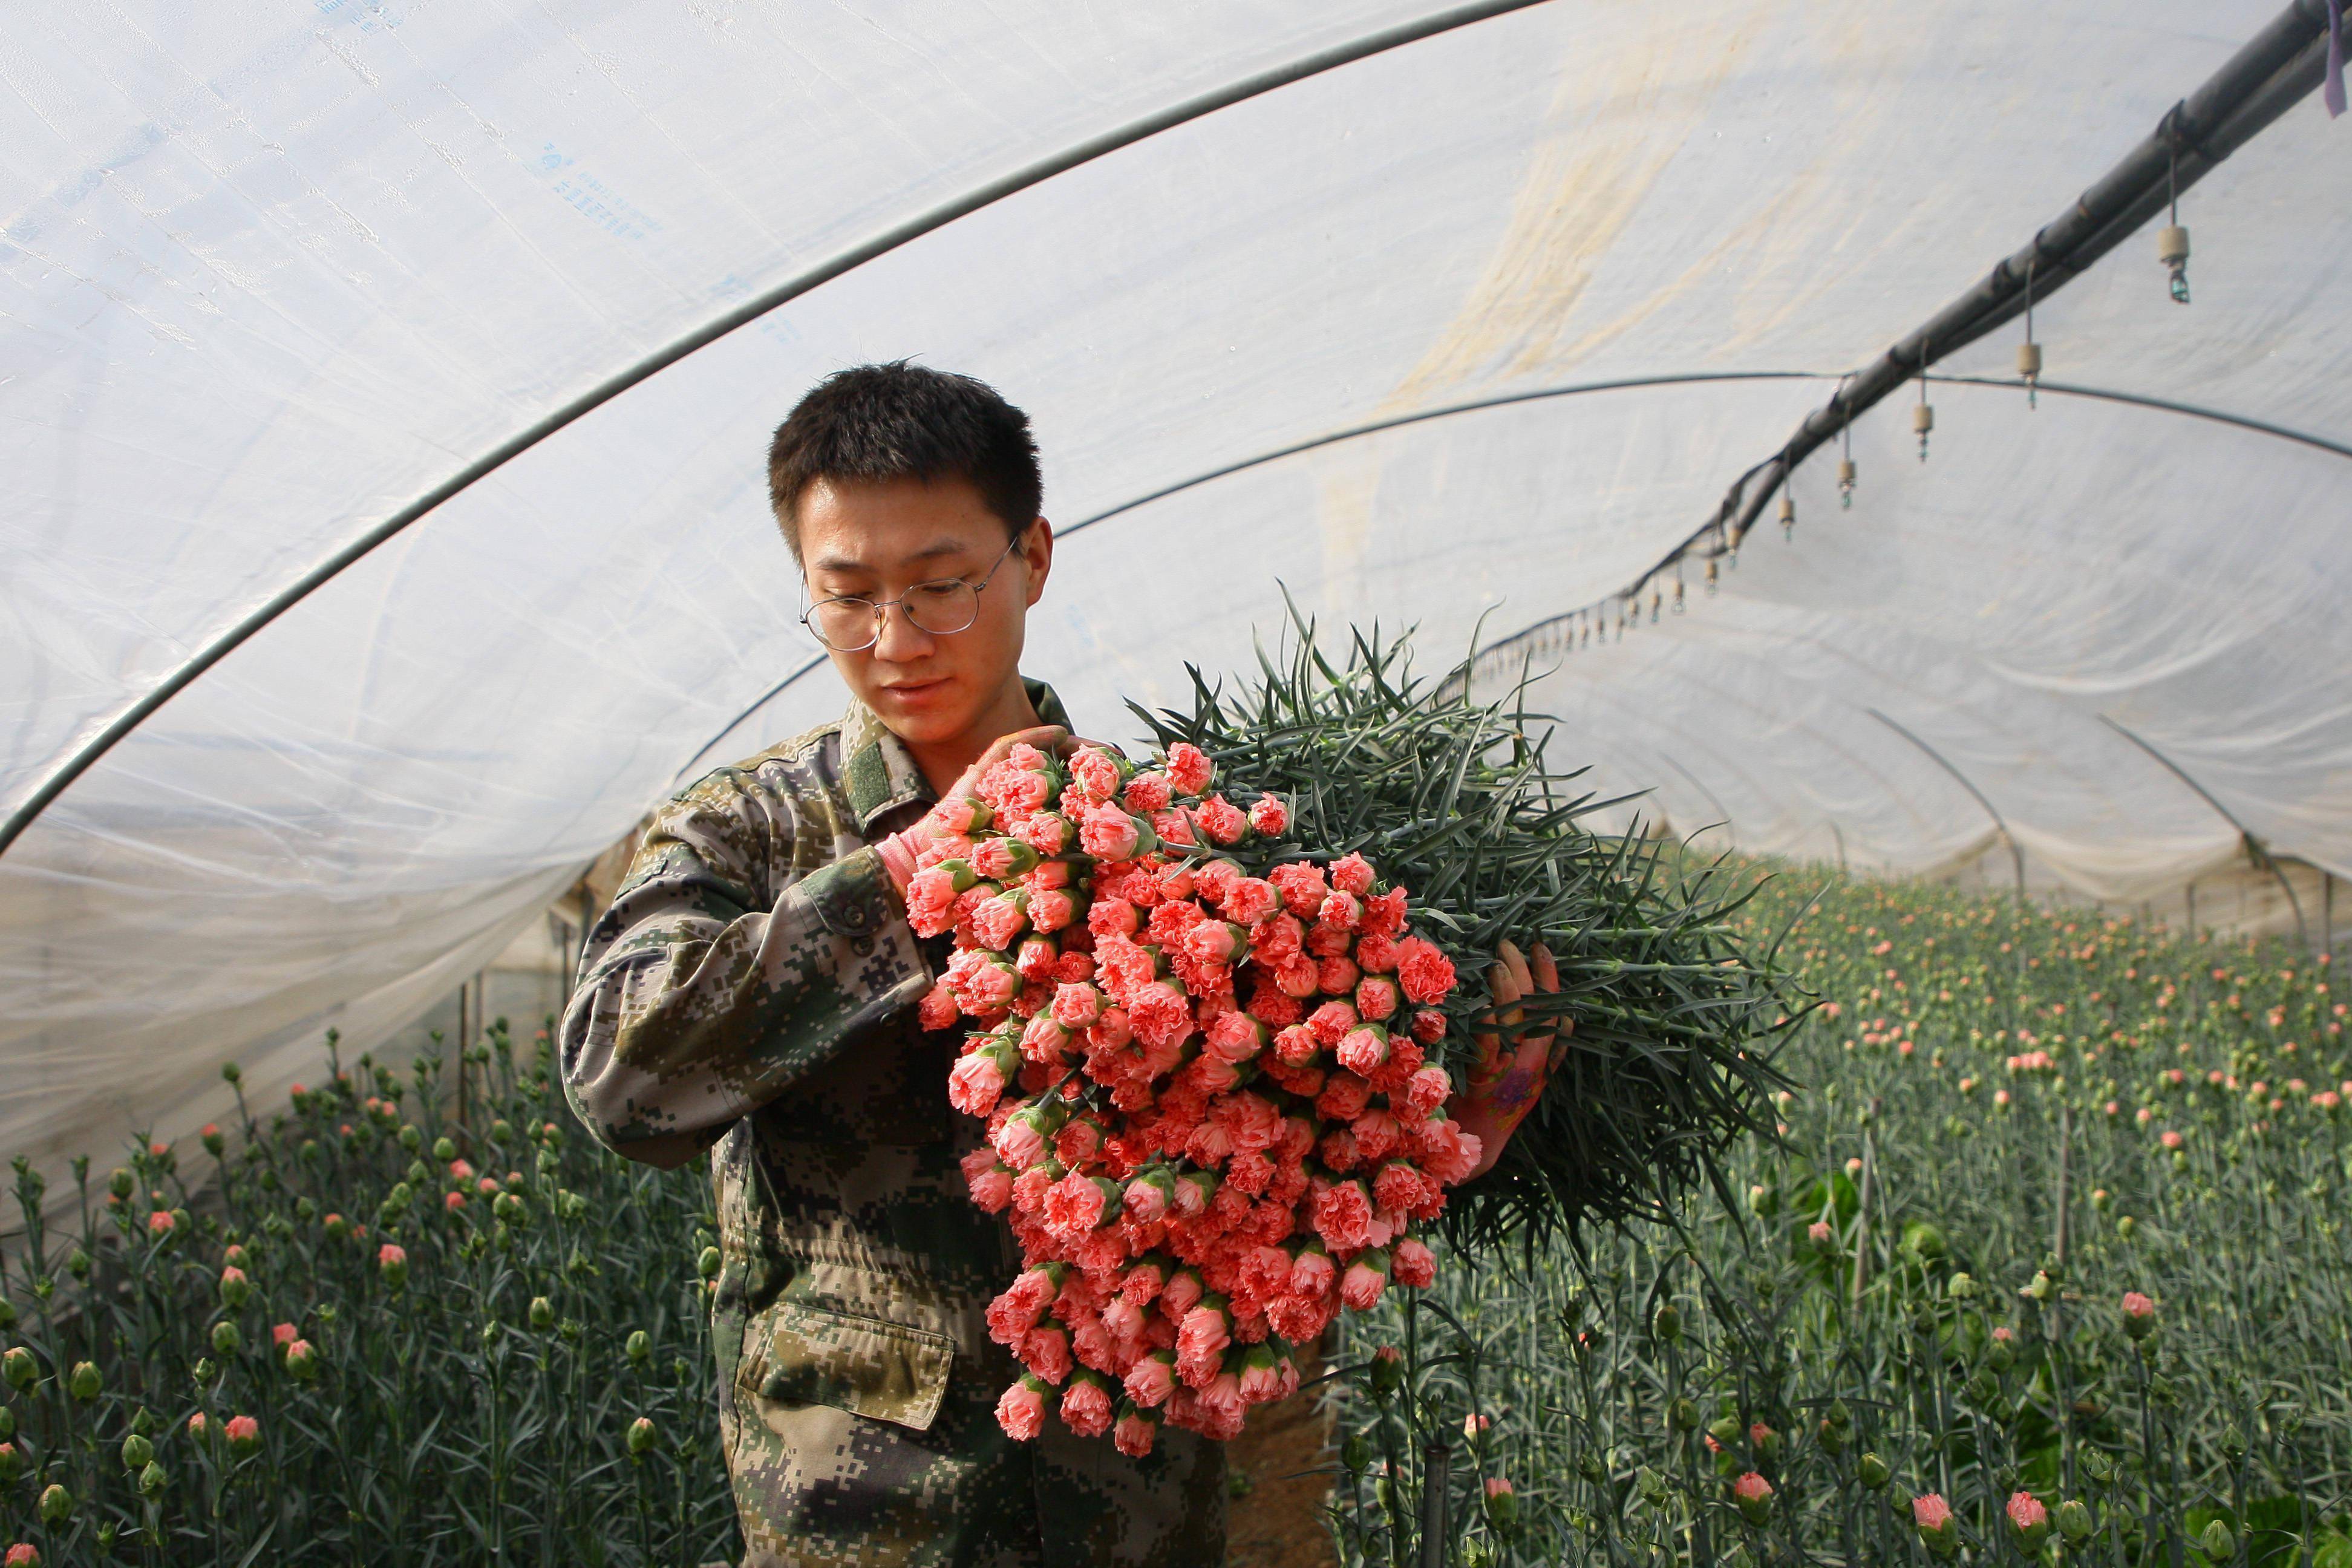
(940, 608)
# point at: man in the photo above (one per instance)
(754, 987)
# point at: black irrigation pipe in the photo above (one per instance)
(1534, 629)
(2278, 68)
(758, 305)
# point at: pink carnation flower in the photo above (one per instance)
(1021, 1410)
(1425, 973)
(1269, 815)
(1189, 768)
(1086, 1408)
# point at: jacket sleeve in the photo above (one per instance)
(700, 1001)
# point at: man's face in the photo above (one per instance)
(876, 540)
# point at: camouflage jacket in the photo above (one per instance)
(754, 986)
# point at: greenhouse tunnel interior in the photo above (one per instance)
(1458, 336)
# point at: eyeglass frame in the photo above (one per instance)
(881, 606)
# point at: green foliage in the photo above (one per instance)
(1674, 1016)
(1860, 1341)
(465, 1400)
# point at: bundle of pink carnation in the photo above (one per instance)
(1209, 1122)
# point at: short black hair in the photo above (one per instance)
(900, 421)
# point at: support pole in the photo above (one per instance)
(1436, 1478)
(2256, 850)
(2016, 855)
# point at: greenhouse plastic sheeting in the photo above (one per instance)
(274, 271)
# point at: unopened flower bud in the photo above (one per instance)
(301, 1361)
(642, 1435)
(225, 1338)
(1388, 1372)
(638, 1348)
(1872, 1471)
(1682, 1414)
(1667, 1325)
(543, 1313)
(19, 1368)
(24, 1554)
(137, 1452)
(122, 1182)
(1502, 1504)
(243, 1435)
(2073, 1520)
(2220, 1543)
(444, 1149)
(707, 1265)
(11, 1464)
(1356, 1453)
(153, 1479)
(57, 1506)
(83, 1382)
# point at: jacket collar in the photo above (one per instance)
(878, 773)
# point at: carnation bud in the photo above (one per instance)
(24, 1554)
(2073, 1520)
(1682, 1414)
(392, 1262)
(301, 1361)
(1388, 1372)
(225, 1338)
(11, 1464)
(2029, 1520)
(243, 1435)
(1872, 1471)
(707, 1265)
(445, 1150)
(1356, 1453)
(1502, 1504)
(83, 1382)
(412, 1138)
(638, 1348)
(1667, 1325)
(235, 1287)
(57, 1506)
(122, 1182)
(642, 1435)
(137, 1452)
(153, 1479)
(1753, 1493)
(2220, 1543)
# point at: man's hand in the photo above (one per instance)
(1503, 1086)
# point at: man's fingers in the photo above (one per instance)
(1512, 959)
(1559, 1053)
(1547, 970)
(1044, 737)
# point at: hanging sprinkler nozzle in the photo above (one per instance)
(1788, 517)
(2029, 353)
(2172, 239)
(2172, 249)
(1923, 417)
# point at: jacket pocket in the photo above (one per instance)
(884, 1371)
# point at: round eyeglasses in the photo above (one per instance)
(940, 607)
